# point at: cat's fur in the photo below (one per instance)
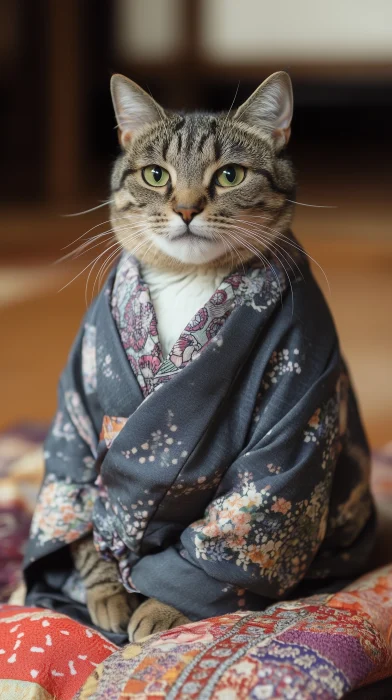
(229, 226)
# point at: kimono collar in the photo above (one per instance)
(136, 321)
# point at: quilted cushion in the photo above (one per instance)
(318, 647)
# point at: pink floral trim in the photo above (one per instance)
(136, 320)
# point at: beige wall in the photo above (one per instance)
(325, 30)
(148, 30)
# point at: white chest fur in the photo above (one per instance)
(177, 296)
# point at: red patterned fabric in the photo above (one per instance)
(41, 650)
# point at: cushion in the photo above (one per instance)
(45, 655)
(318, 647)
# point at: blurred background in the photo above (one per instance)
(57, 143)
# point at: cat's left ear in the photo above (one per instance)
(134, 108)
(270, 108)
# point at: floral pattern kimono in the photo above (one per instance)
(222, 477)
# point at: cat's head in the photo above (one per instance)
(198, 188)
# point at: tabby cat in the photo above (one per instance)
(202, 192)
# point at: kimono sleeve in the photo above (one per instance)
(64, 507)
(262, 533)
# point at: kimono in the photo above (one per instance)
(232, 473)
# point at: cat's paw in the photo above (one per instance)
(111, 607)
(18, 597)
(153, 616)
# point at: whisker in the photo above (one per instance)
(112, 255)
(102, 269)
(84, 247)
(238, 254)
(133, 235)
(261, 257)
(93, 262)
(252, 235)
(108, 221)
(314, 206)
(276, 255)
(226, 243)
(231, 107)
(117, 248)
(283, 251)
(256, 253)
(87, 211)
(267, 241)
(106, 263)
(110, 231)
(145, 252)
(101, 223)
(140, 245)
(87, 245)
(292, 243)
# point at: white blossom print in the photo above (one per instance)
(282, 362)
(89, 359)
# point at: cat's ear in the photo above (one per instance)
(134, 108)
(270, 107)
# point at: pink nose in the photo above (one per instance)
(187, 212)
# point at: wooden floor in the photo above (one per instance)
(38, 322)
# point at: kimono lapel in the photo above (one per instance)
(137, 324)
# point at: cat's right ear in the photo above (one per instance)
(270, 108)
(134, 108)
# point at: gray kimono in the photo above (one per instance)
(228, 474)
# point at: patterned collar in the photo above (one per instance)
(137, 324)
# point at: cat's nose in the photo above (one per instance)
(187, 212)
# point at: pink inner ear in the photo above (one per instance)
(124, 137)
(282, 136)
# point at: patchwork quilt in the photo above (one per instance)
(326, 646)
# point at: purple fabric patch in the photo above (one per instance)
(343, 651)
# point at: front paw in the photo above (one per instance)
(18, 596)
(153, 616)
(110, 606)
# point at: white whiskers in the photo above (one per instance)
(135, 230)
(314, 206)
(293, 244)
(87, 211)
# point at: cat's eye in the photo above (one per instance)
(230, 175)
(155, 176)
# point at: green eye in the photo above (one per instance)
(155, 176)
(230, 175)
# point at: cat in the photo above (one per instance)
(188, 191)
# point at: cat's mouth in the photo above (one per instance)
(190, 235)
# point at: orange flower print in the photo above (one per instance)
(247, 526)
(315, 419)
(111, 428)
(63, 511)
(281, 506)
